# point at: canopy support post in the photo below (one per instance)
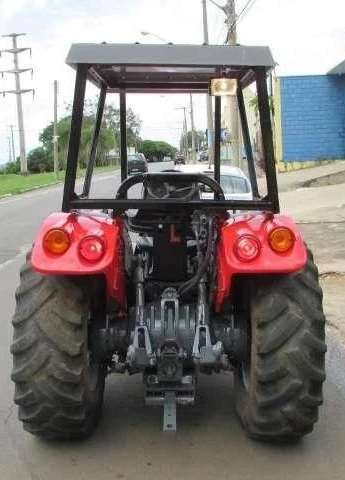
(123, 134)
(217, 136)
(247, 143)
(75, 134)
(93, 151)
(267, 138)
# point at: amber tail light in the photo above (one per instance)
(281, 239)
(56, 241)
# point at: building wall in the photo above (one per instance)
(311, 127)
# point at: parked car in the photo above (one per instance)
(137, 163)
(141, 155)
(234, 182)
(179, 160)
(203, 156)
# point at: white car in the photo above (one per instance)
(233, 181)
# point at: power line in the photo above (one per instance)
(241, 15)
(245, 10)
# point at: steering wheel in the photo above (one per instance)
(165, 191)
(162, 191)
(170, 178)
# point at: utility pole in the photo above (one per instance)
(192, 127)
(230, 102)
(210, 128)
(55, 135)
(185, 131)
(9, 149)
(12, 143)
(15, 50)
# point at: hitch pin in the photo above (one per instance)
(169, 418)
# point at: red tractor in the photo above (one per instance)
(169, 284)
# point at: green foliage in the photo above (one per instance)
(11, 167)
(11, 184)
(156, 149)
(40, 161)
(109, 138)
(254, 104)
(200, 139)
(112, 121)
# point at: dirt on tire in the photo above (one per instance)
(279, 387)
(58, 389)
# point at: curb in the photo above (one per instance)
(34, 187)
(328, 177)
(45, 185)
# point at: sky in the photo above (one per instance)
(306, 37)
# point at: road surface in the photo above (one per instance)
(129, 444)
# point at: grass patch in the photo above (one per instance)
(13, 184)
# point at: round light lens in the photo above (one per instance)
(56, 241)
(281, 239)
(247, 248)
(91, 248)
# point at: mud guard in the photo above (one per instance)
(71, 263)
(267, 262)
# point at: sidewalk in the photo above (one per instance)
(320, 213)
(291, 180)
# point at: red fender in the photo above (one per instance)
(267, 262)
(71, 263)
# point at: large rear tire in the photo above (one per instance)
(279, 385)
(58, 384)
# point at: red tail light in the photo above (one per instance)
(247, 248)
(91, 248)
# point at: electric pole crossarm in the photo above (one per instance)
(18, 70)
(16, 50)
(17, 92)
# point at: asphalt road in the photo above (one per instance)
(129, 444)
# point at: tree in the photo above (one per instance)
(41, 158)
(133, 123)
(12, 167)
(157, 149)
(109, 138)
(46, 138)
(200, 140)
(257, 141)
(39, 161)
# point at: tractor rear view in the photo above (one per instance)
(171, 285)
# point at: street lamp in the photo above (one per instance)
(145, 34)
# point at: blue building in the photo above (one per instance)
(310, 119)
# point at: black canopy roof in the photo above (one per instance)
(338, 69)
(142, 67)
